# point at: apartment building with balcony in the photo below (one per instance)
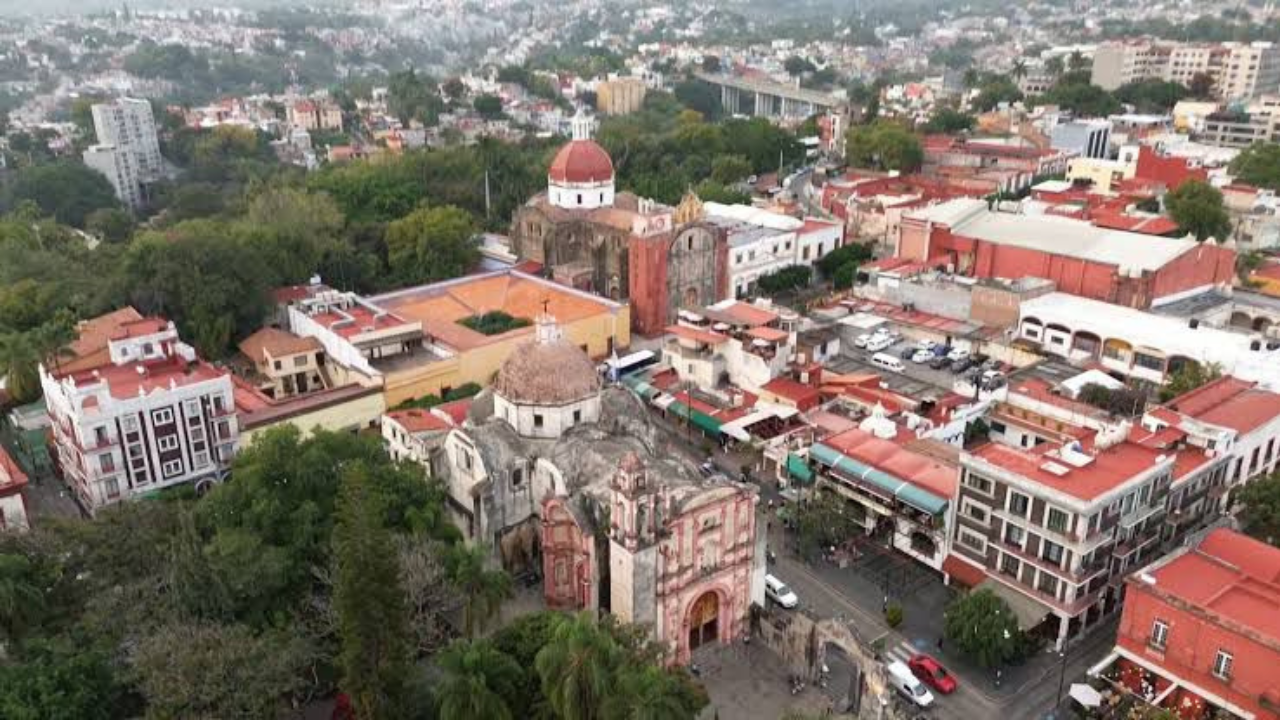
(135, 410)
(1056, 527)
(1239, 70)
(731, 342)
(1199, 635)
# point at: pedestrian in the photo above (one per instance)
(939, 643)
(884, 606)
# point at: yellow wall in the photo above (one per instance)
(354, 414)
(479, 365)
(1100, 172)
(1266, 285)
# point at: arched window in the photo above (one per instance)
(579, 198)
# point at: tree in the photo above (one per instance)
(1259, 502)
(796, 65)
(1197, 208)
(648, 692)
(849, 254)
(482, 589)
(489, 106)
(728, 169)
(1201, 86)
(787, 279)
(993, 92)
(883, 145)
(823, 521)
(21, 595)
(1054, 65)
(370, 604)
(65, 190)
(576, 668)
(948, 121)
(454, 89)
(712, 191)
(1151, 95)
(206, 670)
(432, 244)
(61, 680)
(1076, 61)
(111, 225)
(700, 96)
(983, 627)
(710, 63)
(1188, 377)
(1258, 165)
(479, 683)
(1019, 70)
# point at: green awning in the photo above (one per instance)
(706, 423)
(798, 468)
(639, 384)
(679, 409)
(890, 485)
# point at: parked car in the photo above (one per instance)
(908, 685)
(862, 340)
(922, 356)
(991, 364)
(932, 673)
(958, 354)
(961, 366)
(926, 345)
(940, 362)
(908, 352)
(777, 591)
(878, 343)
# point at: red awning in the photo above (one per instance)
(963, 572)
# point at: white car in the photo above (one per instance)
(906, 683)
(862, 340)
(922, 356)
(878, 343)
(777, 591)
(957, 354)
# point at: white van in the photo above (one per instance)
(887, 362)
(777, 591)
(878, 343)
(906, 683)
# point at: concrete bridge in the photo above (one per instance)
(769, 99)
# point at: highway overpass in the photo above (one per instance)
(767, 98)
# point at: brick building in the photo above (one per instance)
(134, 410)
(1114, 266)
(1200, 635)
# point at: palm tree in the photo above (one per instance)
(971, 78)
(483, 590)
(1076, 61)
(1019, 69)
(22, 352)
(20, 598)
(648, 692)
(1054, 65)
(576, 668)
(478, 682)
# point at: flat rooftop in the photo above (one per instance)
(1106, 469)
(441, 305)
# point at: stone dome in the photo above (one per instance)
(581, 162)
(547, 371)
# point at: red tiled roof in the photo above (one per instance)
(455, 410)
(684, 332)
(789, 389)
(416, 420)
(581, 161)
(125, 381)
(1109, 469)
(963, 572)
(12, 479)
(768, 334)
(748, 314)
(1229, 402)
(1159, 225)
(89, 349)
(925, 472)
(277, 343)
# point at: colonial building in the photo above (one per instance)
(1199, 635)
(573, 480)
(284, 364)
(139, 412)
(588, 236)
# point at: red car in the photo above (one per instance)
(932, 673)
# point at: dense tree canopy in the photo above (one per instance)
(66, 190)
(1259, 502)
(1198, 209)
(884, 145)
(1152, 95)
(1259, 165)
(980, 625)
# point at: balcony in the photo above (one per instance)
(1140, 514)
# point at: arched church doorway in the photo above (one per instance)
(704, 620)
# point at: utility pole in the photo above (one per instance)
(487, 199)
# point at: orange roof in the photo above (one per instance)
(140, 327)
(925, 472)
(769, 334)
(456, 411)
(685, 332)
(12, 479)
(789, 389)
(748, 314)
(416, 421)
(963, 572)
(277, 343)
(1231, 403)
(440, 306)
(89, 350)
(1109, 469)
(125, 381)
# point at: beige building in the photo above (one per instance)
(620, 96)
(284, 364)
(1101, 173)
(1239, 70)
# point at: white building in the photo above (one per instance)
(763, 242)
(134, 410)
(130, 126)
(744, 344)
(1139, 344)
(120, 170)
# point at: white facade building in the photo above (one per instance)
(120, 170)
(150, 415)
(129, 124)
(763, 242)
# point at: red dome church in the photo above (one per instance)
(581, 175)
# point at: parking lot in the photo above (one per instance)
(916, 379)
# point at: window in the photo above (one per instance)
(517, 477)
(979, 483)
(196, 434)
(1057, 520)
(1052, 552)
(300, 361)
(973, 541)
(167, 442)
(201, 459)
(277, 364)
(112, 487)
(1159, 634)
(537, 420)
(1047, 584)
(1019, 504)
(130, 424)
(1128, 503)
(107, 463)
(1148, 362)
(100, 435)
(163, 416)
(171, 468)
(1010, 565)
(218, 403)
(1222, 665)
(577, 416)
(976, 512)
(1013, 535)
